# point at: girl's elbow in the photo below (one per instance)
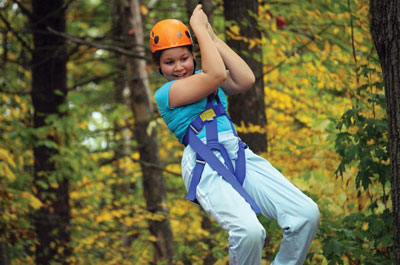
(224, 74)
(248, 82)
(252, 80)
(220, 76)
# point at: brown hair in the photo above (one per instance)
(157, 55)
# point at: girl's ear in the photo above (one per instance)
(159, 68)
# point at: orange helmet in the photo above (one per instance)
(169, 33)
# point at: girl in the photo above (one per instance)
(225, 177)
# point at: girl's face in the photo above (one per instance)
(176, 63)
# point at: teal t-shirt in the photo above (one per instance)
(179, 118)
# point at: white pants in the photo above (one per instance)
(277, 198)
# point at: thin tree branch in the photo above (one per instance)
(144, 163)
(292, 115)
(63, 7)
(108, 130)
(24, 10)
(352, 33)
(10, 28)
(19, 93)
(147, 164)
(293, 52)
(98, 45)
(93, 79)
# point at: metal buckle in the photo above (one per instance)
(194, 129)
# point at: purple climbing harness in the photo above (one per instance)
(204, 152)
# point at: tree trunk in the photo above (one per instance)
(385, 30)
(122, 97)
(248, 108)
(49, 60)
(4, 259)
(143, 109)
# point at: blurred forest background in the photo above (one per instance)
(89, 173)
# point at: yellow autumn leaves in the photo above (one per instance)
(7, 161)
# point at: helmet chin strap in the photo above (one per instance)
(194, 64)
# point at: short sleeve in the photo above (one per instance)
(162, 96)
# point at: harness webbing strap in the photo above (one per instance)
(198, 123)
(197, 171)
(201, 149)
(240, 169)
(204, 152)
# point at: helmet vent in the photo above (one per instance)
(156, 39)
(187, 34)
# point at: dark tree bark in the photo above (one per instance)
(208, 8)
(122, 97)
(385, 30)
(248, 108)
(49, 90)
(142, 107)
(4, 259)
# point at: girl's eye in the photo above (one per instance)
(169, 62)
(184, 59)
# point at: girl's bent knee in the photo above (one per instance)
(311, 214)
(251, 236)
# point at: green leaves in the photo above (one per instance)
(363, 141)
(333, 250)
(358, 238)
(326, 114)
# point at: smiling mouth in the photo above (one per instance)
(180, 76)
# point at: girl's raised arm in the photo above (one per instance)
(240, 76)
(194, 88)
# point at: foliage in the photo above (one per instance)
(362, 143)
(328, 55)
(327, 132)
